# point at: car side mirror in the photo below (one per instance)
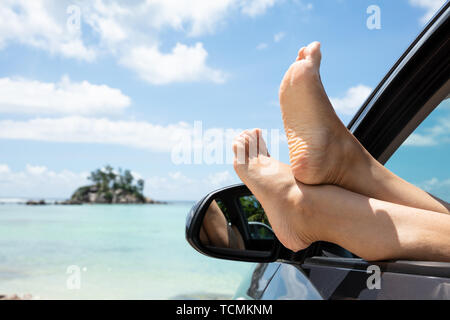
(231, 224)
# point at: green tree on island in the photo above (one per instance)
(111, 186)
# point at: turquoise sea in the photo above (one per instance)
(122, 252)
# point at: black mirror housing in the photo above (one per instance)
(259, 249)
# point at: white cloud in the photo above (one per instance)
(304, 6)
(134, 134)
(198, 16)
(219, 178)
(136, 175)
(110, 21)
(439, 187)
(38, 181)
(352, 100)
(35, 170)
(65, 97)
(279, 36)
(124, 30)
(431, 7)
(179, 177)
(183, 64)
(256, 7)
(309, 6)
(435, 183)
(261, 46)
(35, 23)
(177, 185)
(187, 144)
(137, 134)
(131, 32)
(195, 17)
(4, 168)
(438, 134)
(419, 140)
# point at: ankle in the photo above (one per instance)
(356, 165)
(307, 221)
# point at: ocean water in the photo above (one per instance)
(121, 251)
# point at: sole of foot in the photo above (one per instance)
(320, 147)
(276, 189)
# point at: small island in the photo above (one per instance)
(111, 187)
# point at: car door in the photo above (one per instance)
(409, 108)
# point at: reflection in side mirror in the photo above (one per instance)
(218, 231)
(231, 224)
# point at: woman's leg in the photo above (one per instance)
(214, 229)
(323, 151)
(375, 229)
(302, 214)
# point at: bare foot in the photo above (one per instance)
(320, 147)
(274, 186)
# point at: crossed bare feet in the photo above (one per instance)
(321, 150)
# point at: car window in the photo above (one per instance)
(424, 158)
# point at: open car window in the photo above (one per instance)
(424, 157)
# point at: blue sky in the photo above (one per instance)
(134, 77)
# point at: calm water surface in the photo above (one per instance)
(123, 252)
